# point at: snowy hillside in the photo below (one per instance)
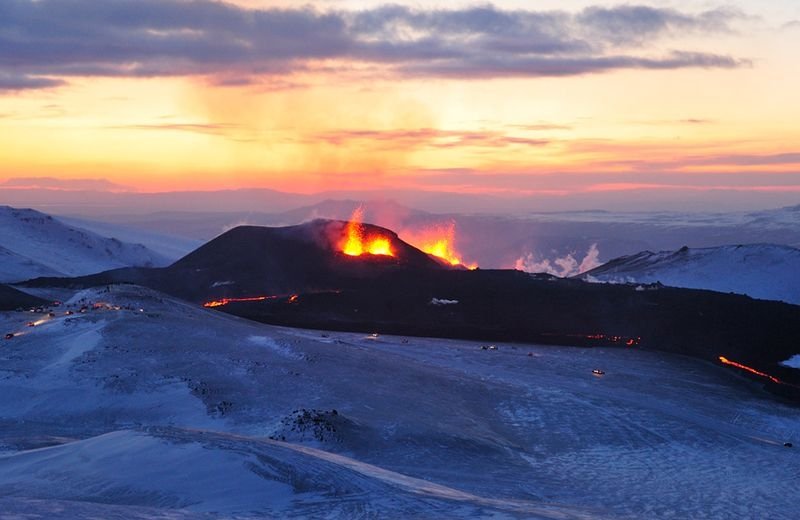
(132, 410)
(172, 247)
(763, 271)
(34, 244)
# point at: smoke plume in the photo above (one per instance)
(563, 266)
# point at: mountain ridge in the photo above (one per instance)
(764, 271)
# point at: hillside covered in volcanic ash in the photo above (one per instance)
(250, 261)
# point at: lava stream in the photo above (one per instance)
(726, 361)
(226, 301)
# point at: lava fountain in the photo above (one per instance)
(439, 241)
(358, 242)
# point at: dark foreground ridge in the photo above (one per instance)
(11, 299)
(296, 276)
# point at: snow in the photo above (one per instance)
(792, 362)
(274, 346)
(171, 247)
(179, 411)
(763, 271)
(33, 244)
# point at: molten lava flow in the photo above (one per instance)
(226, 301)
(439, 241)
(726, 361)
(357, 242)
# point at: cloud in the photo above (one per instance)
(720, 161)
(429, 137)
(199, 128)
(63, 184)
(636, 24)
(42, 42)
(791, 25)
(564, 183)
(23, 81)
(549, 66)
(749, 160)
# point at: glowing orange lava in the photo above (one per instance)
(726, 361)
(226, 301)
(439, 241)
(357, 242)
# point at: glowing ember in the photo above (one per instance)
(226, 301)
(357, 243)
(726, 361)
(616, 340)
(439, 241)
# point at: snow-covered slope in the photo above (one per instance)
(155, 405)
(34, 244)
(168, 245)
(15, 267)
(764, 271)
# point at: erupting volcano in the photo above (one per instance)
(358, 241)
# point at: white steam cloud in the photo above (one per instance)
(563, 266)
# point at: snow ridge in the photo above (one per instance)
(34, 244)
(765, 271)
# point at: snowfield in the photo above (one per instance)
(147, 407)
(34, 244)
(764, 271)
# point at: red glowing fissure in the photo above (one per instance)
(726, 361)
(226, 301)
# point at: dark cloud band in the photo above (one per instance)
(44, 41)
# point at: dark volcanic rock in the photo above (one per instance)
(256, 261)
(11, 298)
(513, 306)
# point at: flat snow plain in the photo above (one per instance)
(161, 409)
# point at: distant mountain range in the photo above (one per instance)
(35, 244)
(765, 271)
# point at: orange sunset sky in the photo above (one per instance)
(506, 97)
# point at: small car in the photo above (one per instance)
(598, 372)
